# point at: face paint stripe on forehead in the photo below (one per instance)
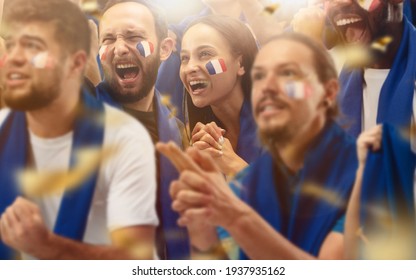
(145, 48)
(42, 60)
(216, 66)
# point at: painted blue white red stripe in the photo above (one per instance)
(42, 60)
(369, 5)
(298, 90)
(145, 48)
(103, 52)
(216, 66)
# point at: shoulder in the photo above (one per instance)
(120, 126)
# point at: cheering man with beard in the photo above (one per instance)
(74, 205)
(383, 89)
(133, 38)
(293, 198)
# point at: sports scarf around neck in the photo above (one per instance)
(14, 140)
(395, 103)
(329, 169)
(176, 238)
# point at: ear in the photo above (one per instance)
(331, 91)
(79, 61)
(241, 71)
(166, 47)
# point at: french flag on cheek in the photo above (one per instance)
(369, 5)
(3, 60)
(298, 90)
(42, 61)
(145, 48)
(103, 53)
(216, 66)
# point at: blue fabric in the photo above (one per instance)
(248, 146)
(177, 240)
(388, 187)
(409, 10)
(395, 103)
(330, 165)
(75, 205)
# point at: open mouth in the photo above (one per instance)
(352, 27)
(127, 71)
(198, 85)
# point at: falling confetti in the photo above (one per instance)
(270, 9)
(381, 44)
(38, 183)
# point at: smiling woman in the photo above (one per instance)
(216, 59)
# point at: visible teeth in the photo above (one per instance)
(15, 76)
(124, 66)
(347, 21)
(268, 108)
(192, 83)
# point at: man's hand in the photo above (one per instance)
(23, 228)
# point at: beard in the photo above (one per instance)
(39, 96)
(148, 80)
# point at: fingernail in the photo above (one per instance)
(221, 140)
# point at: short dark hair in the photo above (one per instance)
(323, 62)
(241, 42)
(72, 31)
(159, 17)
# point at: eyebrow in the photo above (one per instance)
(199, 48)
(29, 37)
(129, 32)
(259, 67)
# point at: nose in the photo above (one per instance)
(270, 85)
(15, 55)
(191, 66)
(120, 47)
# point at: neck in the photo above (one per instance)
(294, 151)
(57, 118)
(143, 105)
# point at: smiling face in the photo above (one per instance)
(34, 66)
(281, 113)
(203, 50)
(357, 22)
(125, 29)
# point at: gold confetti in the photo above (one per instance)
(357, 56)
(270, 9)
(321, 193)
(381, 44)
(38, 183)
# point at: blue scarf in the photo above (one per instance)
(248, 146)
(177, 241)
(395, 103)
(388, 185)
(75, 205)
(306, 220)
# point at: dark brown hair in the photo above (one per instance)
(72, 31)
(242, 43)
(161, 25)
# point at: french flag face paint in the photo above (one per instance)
(42, 61)
(216, 66)
(145, 48)
(3, 60)
(298, 90)
(369, 5)
(103, 53)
